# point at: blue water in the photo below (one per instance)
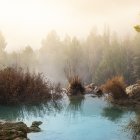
(75, 119)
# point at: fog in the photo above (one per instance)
(93, 39)
(26, 22)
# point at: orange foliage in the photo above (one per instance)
(116, 87)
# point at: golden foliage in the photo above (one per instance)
(137, 28)
(116, 87)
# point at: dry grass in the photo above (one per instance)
(75, 86)
(116, 87)
(18, 86)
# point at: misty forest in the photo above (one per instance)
(95, 59)
(71, 86)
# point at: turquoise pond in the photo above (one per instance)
(75, 119)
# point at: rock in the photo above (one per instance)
(90, 88)
(98, 91)
(12, 130)
(17, 130)
(64, 90)
(36, 123)
(133, 91)
(34, 129)
(35, 126)
(20, 138)
(92, 85)
(1, 121)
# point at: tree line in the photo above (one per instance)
(95, 59)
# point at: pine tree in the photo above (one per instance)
(136, 59)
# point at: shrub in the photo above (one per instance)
(116, 87)
(19, 86)
(75, 86)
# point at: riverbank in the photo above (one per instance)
(120, 94)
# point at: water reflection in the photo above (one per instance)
(81, 114)
(75, 105)
(113, 113)
(134, 126)
(8, 113)
(26, 111)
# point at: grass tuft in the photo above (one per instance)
(75, 86)
(116, 87)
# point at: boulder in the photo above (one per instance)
(133, 91)
(90, 88)
(17, 130)
(35, 126)
(13, 130)
(93, 89)
(36, 123)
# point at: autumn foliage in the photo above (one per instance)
(115, 87)
(75, 85)
(19, 86)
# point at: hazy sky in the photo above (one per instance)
(26, 22)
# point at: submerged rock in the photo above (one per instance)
(17, 130)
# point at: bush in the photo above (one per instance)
(116, 87)
(18, 86)
(75, 86)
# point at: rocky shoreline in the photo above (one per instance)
(132, 91)
(132, 100)
(17, 130)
